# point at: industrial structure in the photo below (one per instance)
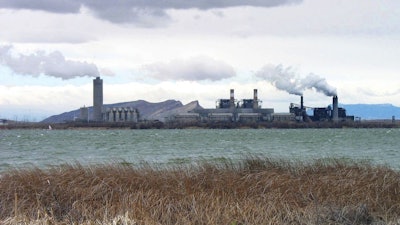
(84, 113)
(249, 110)
(97, 99)
(122, 114)
(109, 114)
(230, 110)
(331, 113)
(226, 110)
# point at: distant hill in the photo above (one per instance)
(147, 110)
(372, 111)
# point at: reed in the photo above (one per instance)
(251, 191)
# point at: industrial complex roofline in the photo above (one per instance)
(226, 110)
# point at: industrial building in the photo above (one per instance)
(109, 114)
(331, 113)
(3, 122)
(84, 113)
(123, 114)
(249, 110)
(226, 110)
(229, 110)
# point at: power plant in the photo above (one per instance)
(250, 110)
(232, 110)
(331, 113)
(226, 110)
(109, 114)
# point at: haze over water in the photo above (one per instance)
(43, 148)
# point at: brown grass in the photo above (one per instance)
(252, 191)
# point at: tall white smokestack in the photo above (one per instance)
(232, 99)
(255, 99)
(335, 112)
(97, 99)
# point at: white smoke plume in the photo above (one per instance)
(51, 64)
(313, 81)
(287, 80)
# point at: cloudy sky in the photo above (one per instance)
(50, 50)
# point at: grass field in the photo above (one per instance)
(252, 191)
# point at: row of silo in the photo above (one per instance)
(122, 114)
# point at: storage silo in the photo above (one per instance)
(84, 113)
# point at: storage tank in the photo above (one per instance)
(84, 113)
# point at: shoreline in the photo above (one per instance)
(200, 125)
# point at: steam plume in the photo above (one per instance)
(319, 84)
(287, 80)
(52, 64)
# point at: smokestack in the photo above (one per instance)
(335, 112)
(301, 103)
(232, 99)
(97, 99)
(255, 99)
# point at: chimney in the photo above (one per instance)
(255, 99)
(232, 99)
(335, 112)
(97, 99)
(301, 103)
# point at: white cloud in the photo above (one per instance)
(197, 68)
(51, 64)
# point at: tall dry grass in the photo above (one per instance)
(252, 191)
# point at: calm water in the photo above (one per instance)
(27, 148)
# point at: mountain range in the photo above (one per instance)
(147, 110)
(162, 110)
(372, 111)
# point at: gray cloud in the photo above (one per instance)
(133, 11)
(61, 6)
(287, 80)
(198, 68)
(52, 64)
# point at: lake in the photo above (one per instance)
(42, 148)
